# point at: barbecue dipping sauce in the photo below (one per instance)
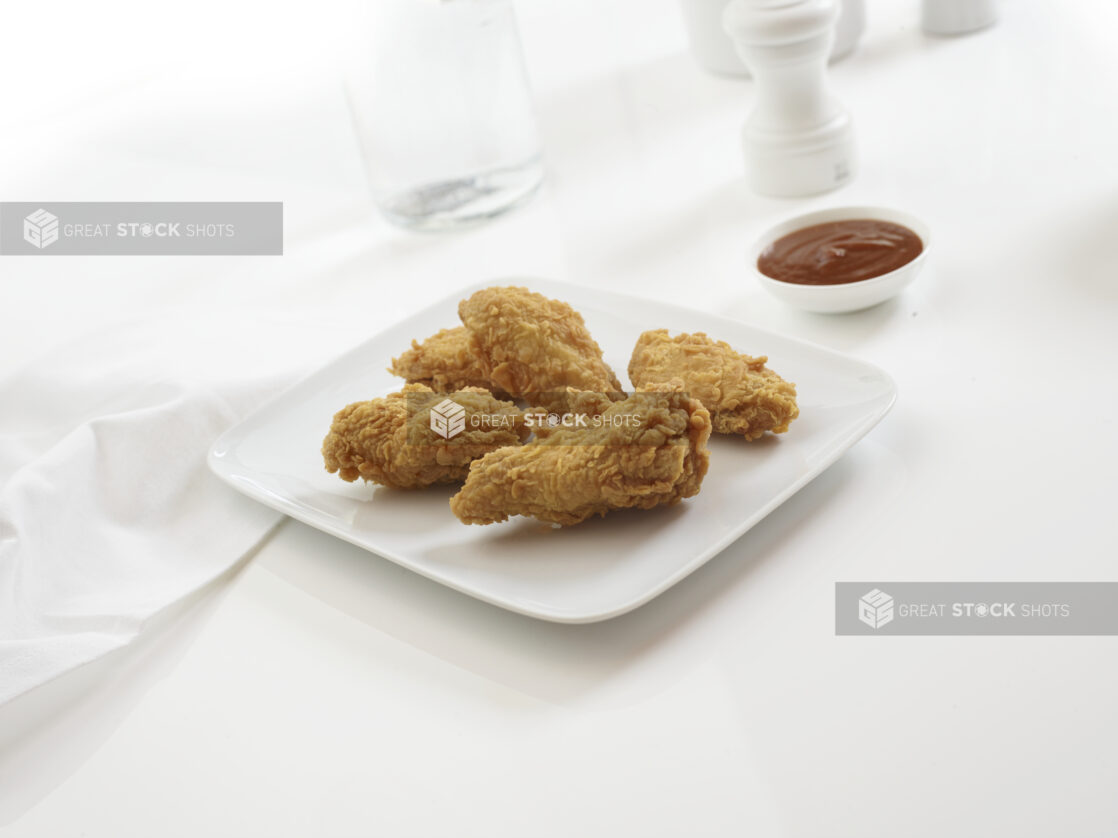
(839, 252)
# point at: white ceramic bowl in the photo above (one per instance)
(849, 296)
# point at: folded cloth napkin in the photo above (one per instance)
(108, 512)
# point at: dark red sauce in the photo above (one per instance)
(839, 252)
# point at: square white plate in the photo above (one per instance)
(602, 567)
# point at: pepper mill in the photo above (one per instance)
(799, 139)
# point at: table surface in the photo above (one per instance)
(318, 689)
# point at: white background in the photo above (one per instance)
(320, 690)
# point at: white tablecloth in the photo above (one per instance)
(323, 689)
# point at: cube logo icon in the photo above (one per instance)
(875, 609)
(40, 228)
(448, 419)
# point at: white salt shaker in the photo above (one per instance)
(799, 139)
(957, 17)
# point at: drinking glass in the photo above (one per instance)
(443, 112)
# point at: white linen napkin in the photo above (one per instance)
(108, 511)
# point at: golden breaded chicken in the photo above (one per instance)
(533, 347)
(645, 451)
(443, 362)
(743, 396)
(391, 440)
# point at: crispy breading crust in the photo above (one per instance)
(533, 347)
(443, 362)
(743, 396)
(389, 440)
(566, 475)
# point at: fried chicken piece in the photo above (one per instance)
(645, 451)
(443, 362)
(391, 440)
(533, 347)
(743, 396)
(565, 408)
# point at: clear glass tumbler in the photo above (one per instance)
(443, 112)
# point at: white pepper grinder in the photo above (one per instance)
(799, 139)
